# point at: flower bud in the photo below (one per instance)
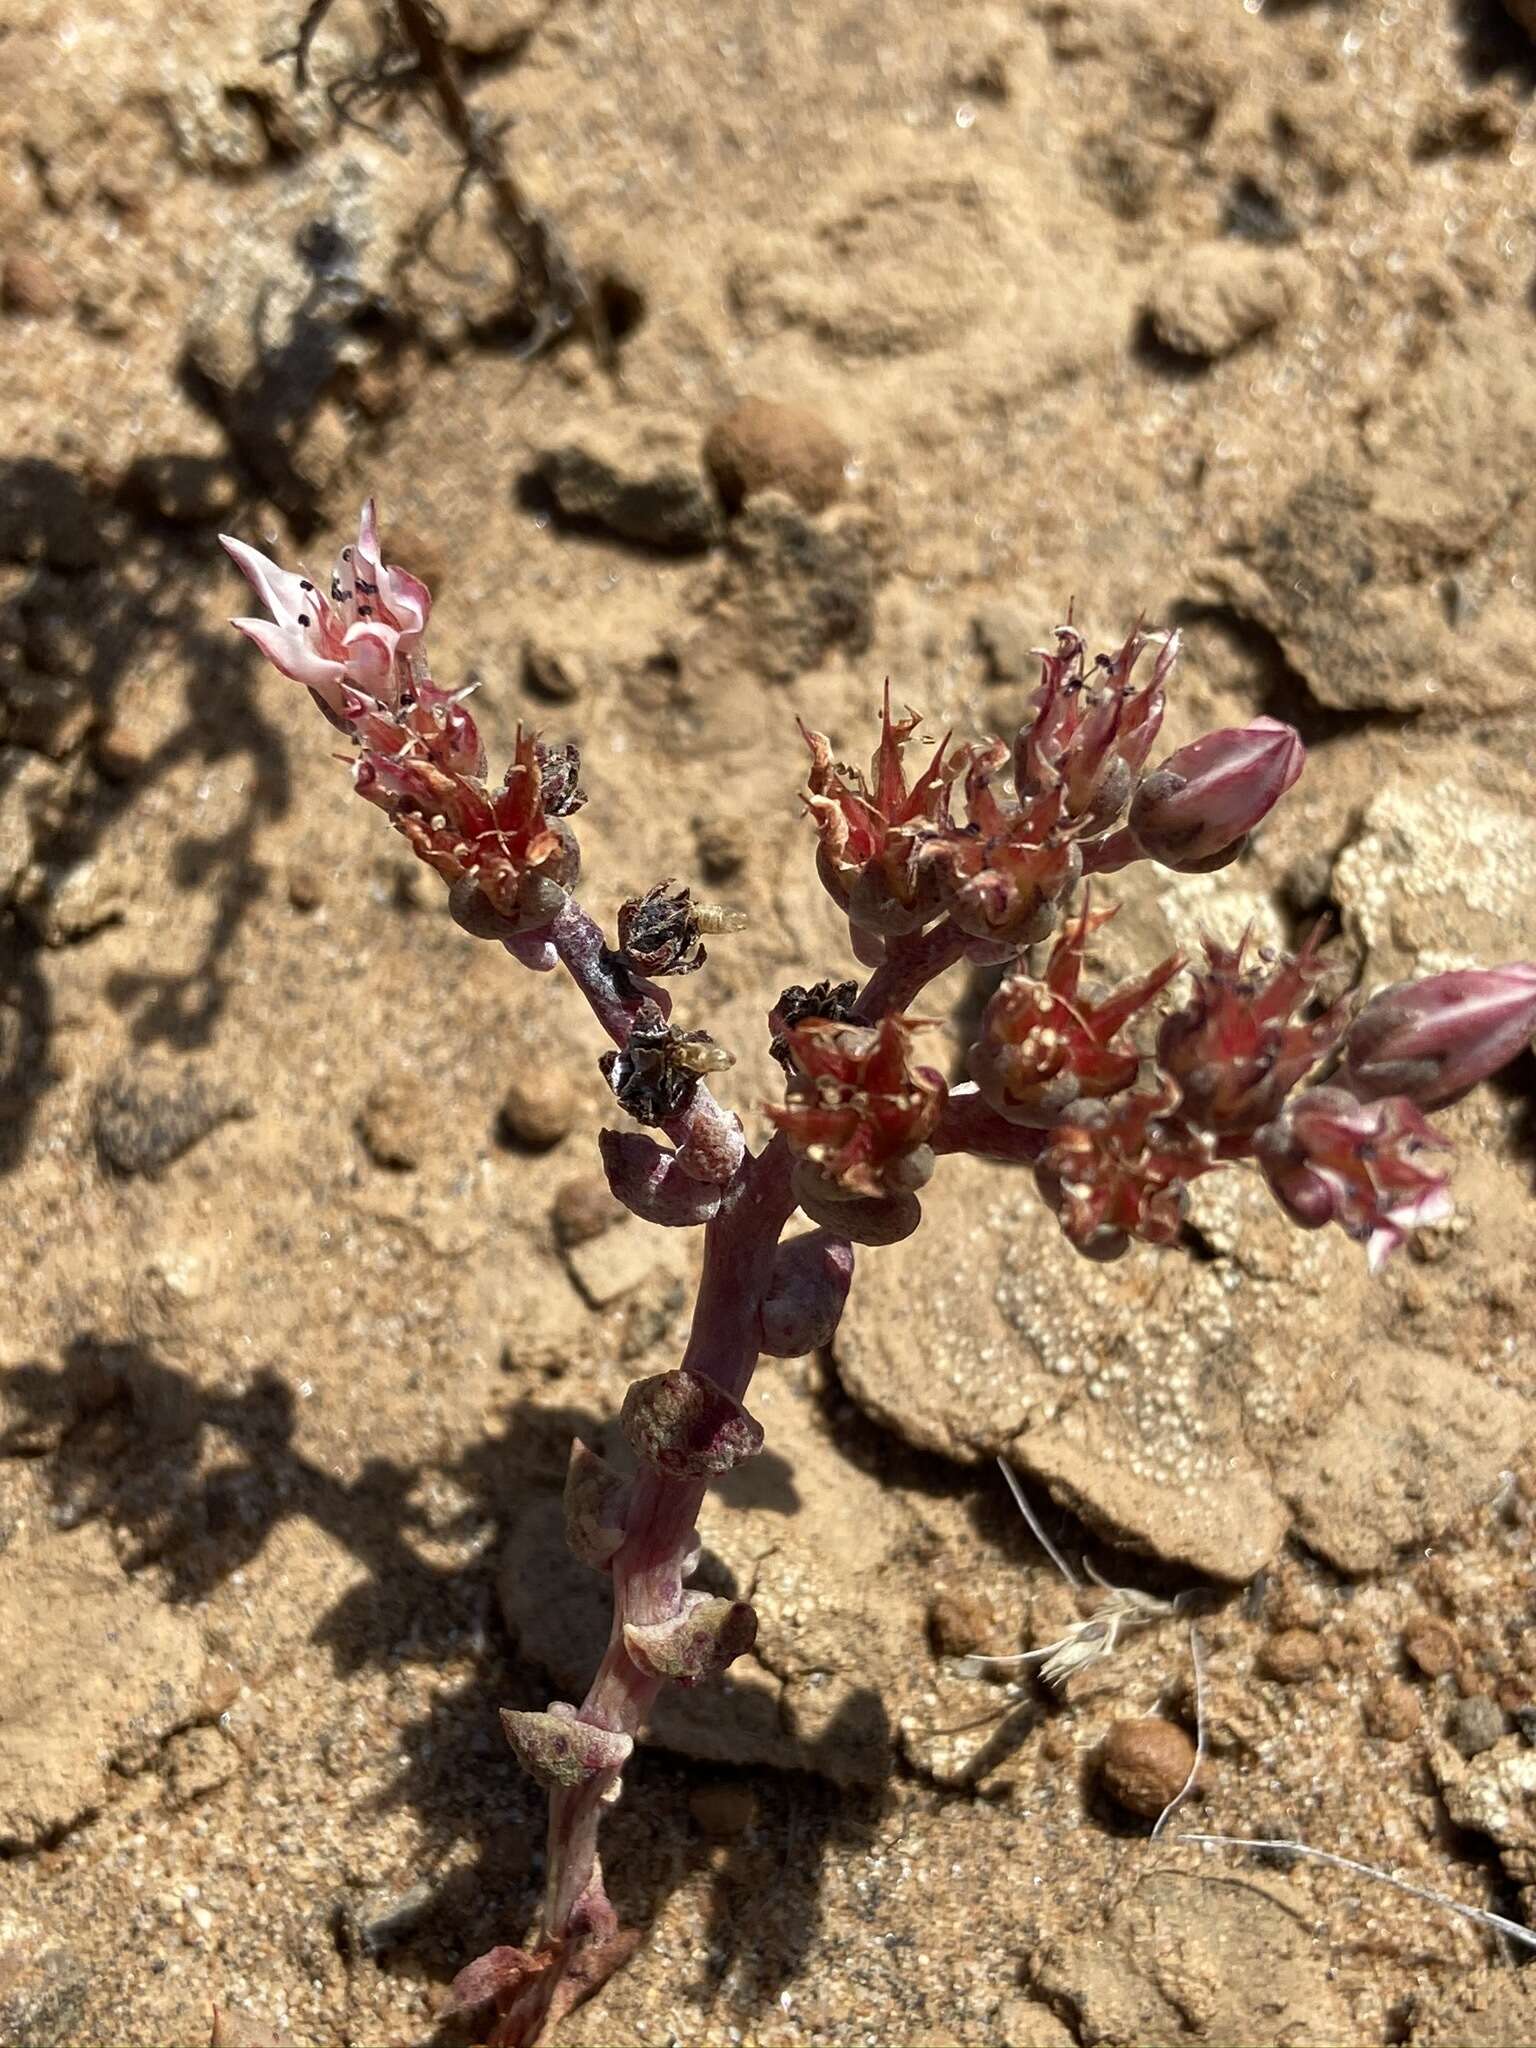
(804, 1300)
(1434, 1039)
(652, 1183)
(1330, 1158)
(1204, 800)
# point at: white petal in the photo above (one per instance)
(284, 593)
(288, 649)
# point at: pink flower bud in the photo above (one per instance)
(1205, 799)
(1432, 1040)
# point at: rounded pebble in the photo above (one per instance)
(1475, 1725)
(28, 286)
(960, 1623)
(583, 1209)
(1432, 1645)
(760, 445)
(1292, 1657)
(1392, 1711)
(1145, 1764)
(396, 1123)
(722, 844)
(538, 1108)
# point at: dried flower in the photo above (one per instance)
(1044, 1044)
(835, 999)
(662, 931)
(1330, 1158)
(859, 1109)
(1434, 1039)
(1236, 1050)
(1195, 811)
(1119, 1170)
(655, 1075)
(874, 832)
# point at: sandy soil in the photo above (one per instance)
(1218, 313)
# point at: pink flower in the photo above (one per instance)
(1091, 732)
(358, 642)
(1329, 1158)
(1434, 1039)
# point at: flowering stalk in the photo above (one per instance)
(975, 857)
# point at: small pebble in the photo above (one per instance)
(538, 1108)
(28, 286)
(1145, 1764)
(583, 1209)
(1292, 1657)
(723, 1811)
(760, 445)
(1392, 1710)
(1211, 298)
(722, 844)
(1475, 1725)
(306, 887)
(962, 1623)
(1432, 1645)
(397, 1123)
(555, 674)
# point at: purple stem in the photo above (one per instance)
(969, 1125)
(909, 965)
(740, 1243)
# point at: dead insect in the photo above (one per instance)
(661, 932)
(656, 1073)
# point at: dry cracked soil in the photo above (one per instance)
(1219, 313)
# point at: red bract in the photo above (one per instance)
(1091, 733)
(1044, 1044)
(506, 845)
(1236, 1051)
(1434, 1039)
(1120, 1170)
(1004, 874)
(859, 1109)
(873, 833)
(1330, 1158)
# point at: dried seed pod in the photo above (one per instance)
(662, 931)
(698, 1642)
(595, 1499)
(834, 999)
(558, 1748)
(686, 1426)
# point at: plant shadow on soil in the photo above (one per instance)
(125, 590)
(129, 1439)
